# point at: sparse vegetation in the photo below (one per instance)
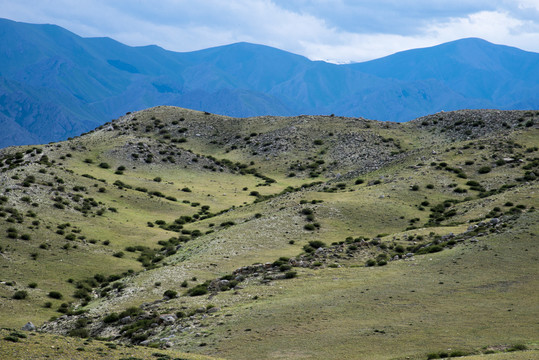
(390, 199)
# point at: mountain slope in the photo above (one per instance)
(65, 84)
(319, 237)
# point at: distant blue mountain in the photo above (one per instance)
(55, 84)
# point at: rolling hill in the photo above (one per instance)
(55, 84)
(320, 237)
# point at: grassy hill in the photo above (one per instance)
(279, 237)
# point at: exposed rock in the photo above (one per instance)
(126, 320)
(168, 319)
(29, 327)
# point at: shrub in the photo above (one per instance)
(318, 142)
(414, 187)
(171, 294)
(370, 262)
(309, 227)
(104, 165)
(55, 295)
(157, 179)
(200, 289)
(284, 267)
(290, 274)
(20, 295)
(430, 186)
(518, 347)
(110, 318)
(32, 285)
(11, 338)
(484, 169)
(81, 332)
(359, 181)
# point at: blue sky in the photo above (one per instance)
(332, 30)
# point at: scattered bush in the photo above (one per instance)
(104, 165)
(290, 274)
(55, 295)
(20, 295)
(171, 294)
(484, 170)
(200, 289)
(80, 332)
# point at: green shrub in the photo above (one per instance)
(484, 170)
(104, 165)
(171, 294)
(80, 332)
(370, 262)
(309, 227)
(284, 267)
(200, 289)
(290, 274)
(55, 295)
(20, 295)
(317, 244)
(110, 318)
(11, 338)
(518, 347)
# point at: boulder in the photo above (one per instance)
(167, 319)
(125, 320)
(29, 327)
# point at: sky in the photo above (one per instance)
(339, 31)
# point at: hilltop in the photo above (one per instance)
(55, 84)
(271, 237)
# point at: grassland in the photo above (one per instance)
(168, 198)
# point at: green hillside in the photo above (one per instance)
(278, 237)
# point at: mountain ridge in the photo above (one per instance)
(87, 81)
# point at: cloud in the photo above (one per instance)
(336, 30)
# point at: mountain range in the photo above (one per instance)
(55, 84)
